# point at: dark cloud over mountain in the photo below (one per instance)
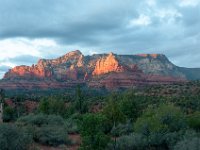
(124, 26)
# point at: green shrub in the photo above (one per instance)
(71, 126)
(129, 142)
(45, 129)
(129, 106)
(13, 138)
(41, 119)
(92, 131)
(98, 141)
(188, 144)
(162, 126)
(8, 114)
(51, 135)
(122, 129)
(193, 120)
(53, 106)
(165, 118)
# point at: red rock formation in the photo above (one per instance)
(150, 55)
(72, 73)
(107, 64)
(132, 79)
(28, 72)
(110, 71)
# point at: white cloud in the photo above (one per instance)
(7, 63)
(41, 48)
(10, 48)
(150, 2)
(185, 3)
(142, 20)
(168, 15)
(43, 42)
(91, 52)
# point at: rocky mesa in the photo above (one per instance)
(99, 70)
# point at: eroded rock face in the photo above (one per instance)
(64, 68)
(29, 72)
(100, 70)
(107, 64)
(74, 57)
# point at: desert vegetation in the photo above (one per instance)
(141, 119)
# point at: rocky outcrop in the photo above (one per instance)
(107, 64)
(62, 68)
(29, 72)
(74, 57)
(99, 70)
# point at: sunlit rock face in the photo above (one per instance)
(65, 67)
(107, 64)
(74, 57)
(27, 72)
(99, 70)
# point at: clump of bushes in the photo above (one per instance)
(40, 120)
(122, 129)
(14, 138)
(190, 140)
(71, 126)
(46, 129)
(9, 114)
(134, 141)
(193, 120)
(188, 144)
(162, 125)
(92, 129)
(165, 118)
(51, 135)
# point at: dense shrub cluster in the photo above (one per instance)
(46, 129)
(92, 129)
(130, 142)
(14, 138)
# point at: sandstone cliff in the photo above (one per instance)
(99, 70)
(107, 64)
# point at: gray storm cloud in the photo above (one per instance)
(170, 27)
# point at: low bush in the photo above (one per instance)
(188, 144)
(128, 142)
(92, 129)
(193, 120)
(14, 138)
(41, 119)
(9, 114)
(51, 135)
(122, 129)
(46, 129)
(71, 126)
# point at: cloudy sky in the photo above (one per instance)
(49, 28)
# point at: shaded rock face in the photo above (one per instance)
(100, 70)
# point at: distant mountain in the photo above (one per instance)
(99, 71)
